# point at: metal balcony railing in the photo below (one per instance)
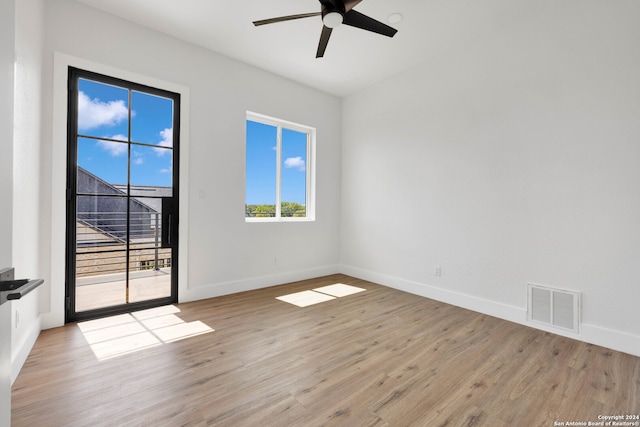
(112, 242)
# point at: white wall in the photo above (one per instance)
(225, 253)
(509, 160)
(7, 46)
(27, 177)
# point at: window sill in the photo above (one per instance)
(286, 219)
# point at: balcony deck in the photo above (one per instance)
(110, 289)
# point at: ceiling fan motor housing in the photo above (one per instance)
(332, 13)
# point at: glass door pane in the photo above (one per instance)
(149, 263)
(101, 252)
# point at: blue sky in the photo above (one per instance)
(103, 113)
(261, 165)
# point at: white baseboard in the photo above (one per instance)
(235, 286)
(485, 306)
(19, 355)
(615, 340)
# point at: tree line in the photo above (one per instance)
(287, 209)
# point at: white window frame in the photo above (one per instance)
(310, 167)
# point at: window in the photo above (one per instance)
(279, 170)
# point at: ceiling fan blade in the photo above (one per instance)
(358, 20)
(350, 4)
(285, 18)
(324, 39)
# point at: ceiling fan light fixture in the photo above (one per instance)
(395, 18)
(332, 19)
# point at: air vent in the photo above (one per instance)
(555, 307)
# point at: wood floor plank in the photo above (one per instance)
(376, 358)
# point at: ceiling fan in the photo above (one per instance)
(334, 13)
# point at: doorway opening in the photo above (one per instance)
(122, 196)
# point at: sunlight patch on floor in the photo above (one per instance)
(305, 298)
(318, 295)
(127, 333)
(339, 290)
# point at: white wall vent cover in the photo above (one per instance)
(555, 307)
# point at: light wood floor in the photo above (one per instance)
(376, 358)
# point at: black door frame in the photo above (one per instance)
(171, 240)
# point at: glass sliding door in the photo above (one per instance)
(122, 196)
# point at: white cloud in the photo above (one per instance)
(119, 137)
(166, 141)
(137, 157)
(294, 162)
(93, 113)
(114, 148)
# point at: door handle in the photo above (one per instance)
(168, 220)
(170, 217)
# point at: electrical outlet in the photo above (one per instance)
(437, 270)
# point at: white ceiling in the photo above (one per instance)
(354, 58)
